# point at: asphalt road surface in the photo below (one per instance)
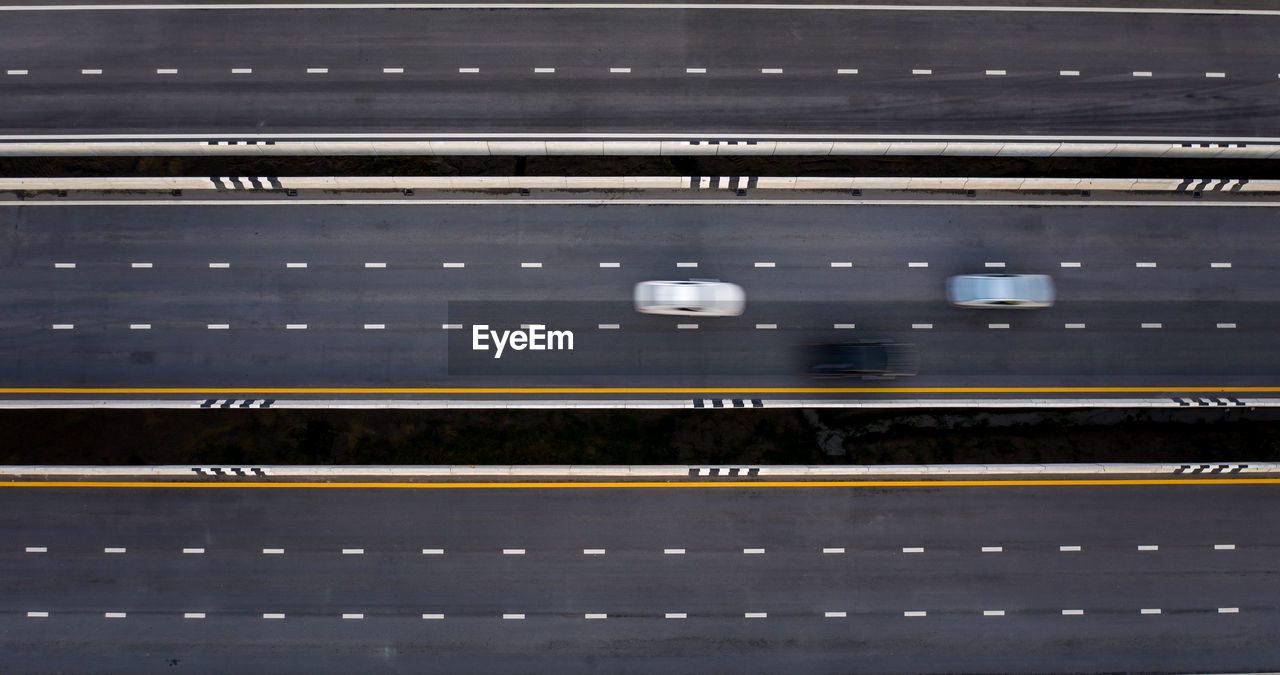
(718, 72)
(250, 298)
(1173, 578)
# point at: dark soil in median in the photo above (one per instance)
(931, 436)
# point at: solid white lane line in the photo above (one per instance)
(686, 326)
(1069, 73)
(922, 71)
(273, 551)
(193, 550)
(1073, 325)
(531, 264)
(765, 264)
(64, 266)
(996, 72)
(37, 615)
(756, 615)
(1069, 264)
(997, 326)
(993, 264)
(609, 326)
(1148, 547)
(1155, 610)
(90, 71)
(833, 550)
(846, 71)
(753, 551)
(64, 326)
(455, 265)
(1068, 548)
(695, 71)
(241, 71)
(1224, 547)
(1144, 264)
(1153, 325)
(433, 617)
(917, 264)
(352, 551)
(432, 551)
(353, 616)
(1226, 325)
(514, 617)
(993, 549)
(913, 549)
(273, 615)
(993, 612)
(317, 71)
(140, 265)
(166, 71)
(675, 615)
(115, 615)
(835, 615)
(1228, 610)
(595, 616)
(295, 326)
(219, 265)
(375, 265)
(686, 264)
(842, 264)
(1215, 74)
(619, 70)
(392, 71)
(1072, 612)
(771, 71)
(922, 326)
(114, 549)
(512, 551)
(375, 326)
(468, 70)
(295, 265)
(1220, 265)
(610, 264)
(139, 326)
(593, 551)
(193, 615)
(843, 325)
(1142, 73)
(766, 326)
(673, 551)
(37, 549)
(544, 70)
(915, 613)
(450, 326)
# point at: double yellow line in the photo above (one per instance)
(649, 484)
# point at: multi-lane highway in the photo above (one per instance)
(685, 578)
(624, 69)
(257, 299)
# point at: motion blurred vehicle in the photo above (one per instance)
(1001, 291)
(695, 297)
(863, 358)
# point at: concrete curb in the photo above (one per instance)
(342, 183)
(691, 145)
(636, 471)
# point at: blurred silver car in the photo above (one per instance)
(702, 297)
(1001, 291)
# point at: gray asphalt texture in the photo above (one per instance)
(554, 584)
(336, 295)
(582, 96)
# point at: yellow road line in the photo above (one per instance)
(636, 390)
(654, 484)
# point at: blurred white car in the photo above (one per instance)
(701, 297)
(1001, 291)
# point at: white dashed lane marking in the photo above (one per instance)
(64, 326)
(219, 326)
(1220, 265)
(695, 71)
(37, 615)
(273, 615)
(1153, 325)
(90, 71)
(454, 265)
(392, 71)
(531, 265)
(675, 615)
(921, 71)
(433, 617)
(1215, 74)
(842, 264)
(15, 72)
(166, 71)
(1142, 73)
(273, 551)
(450, 326)
(1153, 610)
(771, 71)
(1073, 612)
(1228, 610)
(913, 549)
(295, 326)
(766, 326)
(37, 549)
(375, 326)
(609, 326)
(997, 72)
(514, 617)
(544, 70)
(140, 265)
(1073, 325)
(1069, 73)
(994, 264)
(512, 551)
(917, 264)
(114, 549)
(993, 612)
(673, 551)
(835, 615)
(115, 615)
(1148, 547)
(1069, 264)
(922, 326)
(686, 264)
(241, 71)
(353, 616)
(610, 264)
(1068, 548)
(992, 549)
(295, 265)
(139, 326)
(846, 71)
(833, 550)
(317, 71)
(846, 326)
(593, 551)
(997, 326)
(219, 265)
(193, 550)
(375, 265)
(1226, 325)
(352, 551)
(595, 616)
(686, 326)
(432, 551)
(193, 615)
(756, 615)
(1224, 547)
(1144, 264)
(765, 264)
(915, 613)
(64, 266)
(468, 70)
(753, 551)
(619, 70)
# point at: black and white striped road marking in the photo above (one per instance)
(1208, 401)
(724, 471)
(228, 471)
(237, 403)
(1212, 184)
(246, 183)
(723, 182)
(1211, 468)
(727, 403)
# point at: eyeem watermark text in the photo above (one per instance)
(535, 338)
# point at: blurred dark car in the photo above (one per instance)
(863, 358)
